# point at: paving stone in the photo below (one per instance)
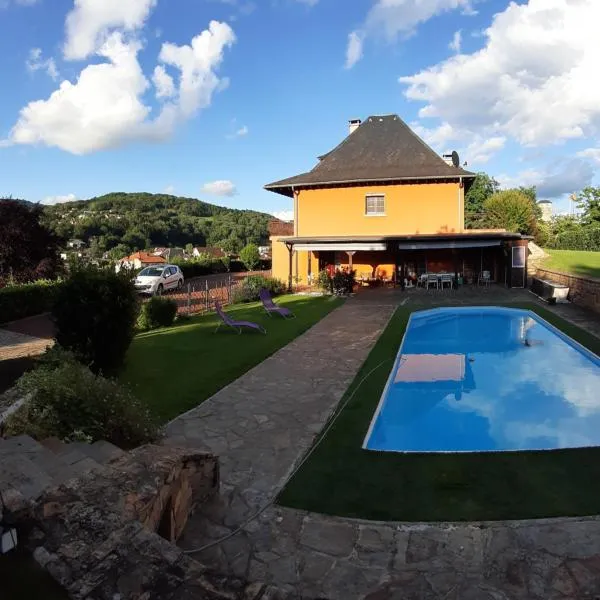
(333, 538)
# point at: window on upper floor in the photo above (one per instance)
(374, 205)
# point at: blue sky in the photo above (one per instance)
(214, 98)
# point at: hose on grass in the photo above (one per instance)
(308, 454)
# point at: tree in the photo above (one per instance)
(589, 201)
(118, 252)
(189, 248)
(95, 313)
(27, 248)
(481, 189)
(250, 256)
(511, 210)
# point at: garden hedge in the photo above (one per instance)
(26, 300)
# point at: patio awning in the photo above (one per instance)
(343, 247)
(439, 245)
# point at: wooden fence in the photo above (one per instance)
(198, 296)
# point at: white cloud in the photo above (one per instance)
(102, 110)
(170, 189)
(391, 18)
(481, 150)
(531, 80)
(105, 109)
(59, 199)
(196, 64)
(456, 43)
(35, 62)
(354, 51)
(163, 82)
(241, 132)
(555, 179)
(222, 187)
(284, 215)
(90, 21)
(591, 153)
(437, 137)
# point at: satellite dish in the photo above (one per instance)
(455, 159)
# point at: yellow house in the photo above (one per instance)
(384, 204)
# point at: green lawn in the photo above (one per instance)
(177, 368)
(577, 262)
(342, 479)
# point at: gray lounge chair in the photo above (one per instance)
(226, 320)
(270, 306)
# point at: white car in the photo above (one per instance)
(158, 279)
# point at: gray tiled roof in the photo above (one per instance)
(383, 148)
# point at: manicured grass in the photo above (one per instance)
(342, 479)
(177, 368)
(577, 262)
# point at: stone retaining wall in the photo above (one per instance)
(584, 291)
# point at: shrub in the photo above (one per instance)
(95, 314)
(343, 282)
(200, 266)
(324, 281)
(249, 289)
(72, 403)
(250, 256)
(157, 312)
(20, 301)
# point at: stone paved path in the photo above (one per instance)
(262, 423)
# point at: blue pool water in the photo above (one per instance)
(485, 379)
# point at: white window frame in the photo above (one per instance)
(374, 214)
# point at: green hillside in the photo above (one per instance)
(125, 222)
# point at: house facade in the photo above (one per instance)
(384, 204)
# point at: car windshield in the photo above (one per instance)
(151, 272)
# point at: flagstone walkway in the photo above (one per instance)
(260, 426)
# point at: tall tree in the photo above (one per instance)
(589, 201)
(28, 250)
(481, 189)
(511, 210)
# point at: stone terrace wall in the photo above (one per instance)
(584, 291)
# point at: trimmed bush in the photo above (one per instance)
(577, 238)
(20, 301)
(249, 289)
(157, 312)
(95, 314)
(72, 403)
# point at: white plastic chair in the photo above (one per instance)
(432, 279)
(485, 278)
(446, 278)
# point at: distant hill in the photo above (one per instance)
(124, 222)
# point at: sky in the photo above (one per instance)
(213, 99)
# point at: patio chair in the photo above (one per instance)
(422, 280)
(446, 278)
(484, 278)
(270, 306)
(226, 320)
(432, 279)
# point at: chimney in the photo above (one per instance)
(354, 124)
(448, 159)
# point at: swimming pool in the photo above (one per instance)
(487, 379)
